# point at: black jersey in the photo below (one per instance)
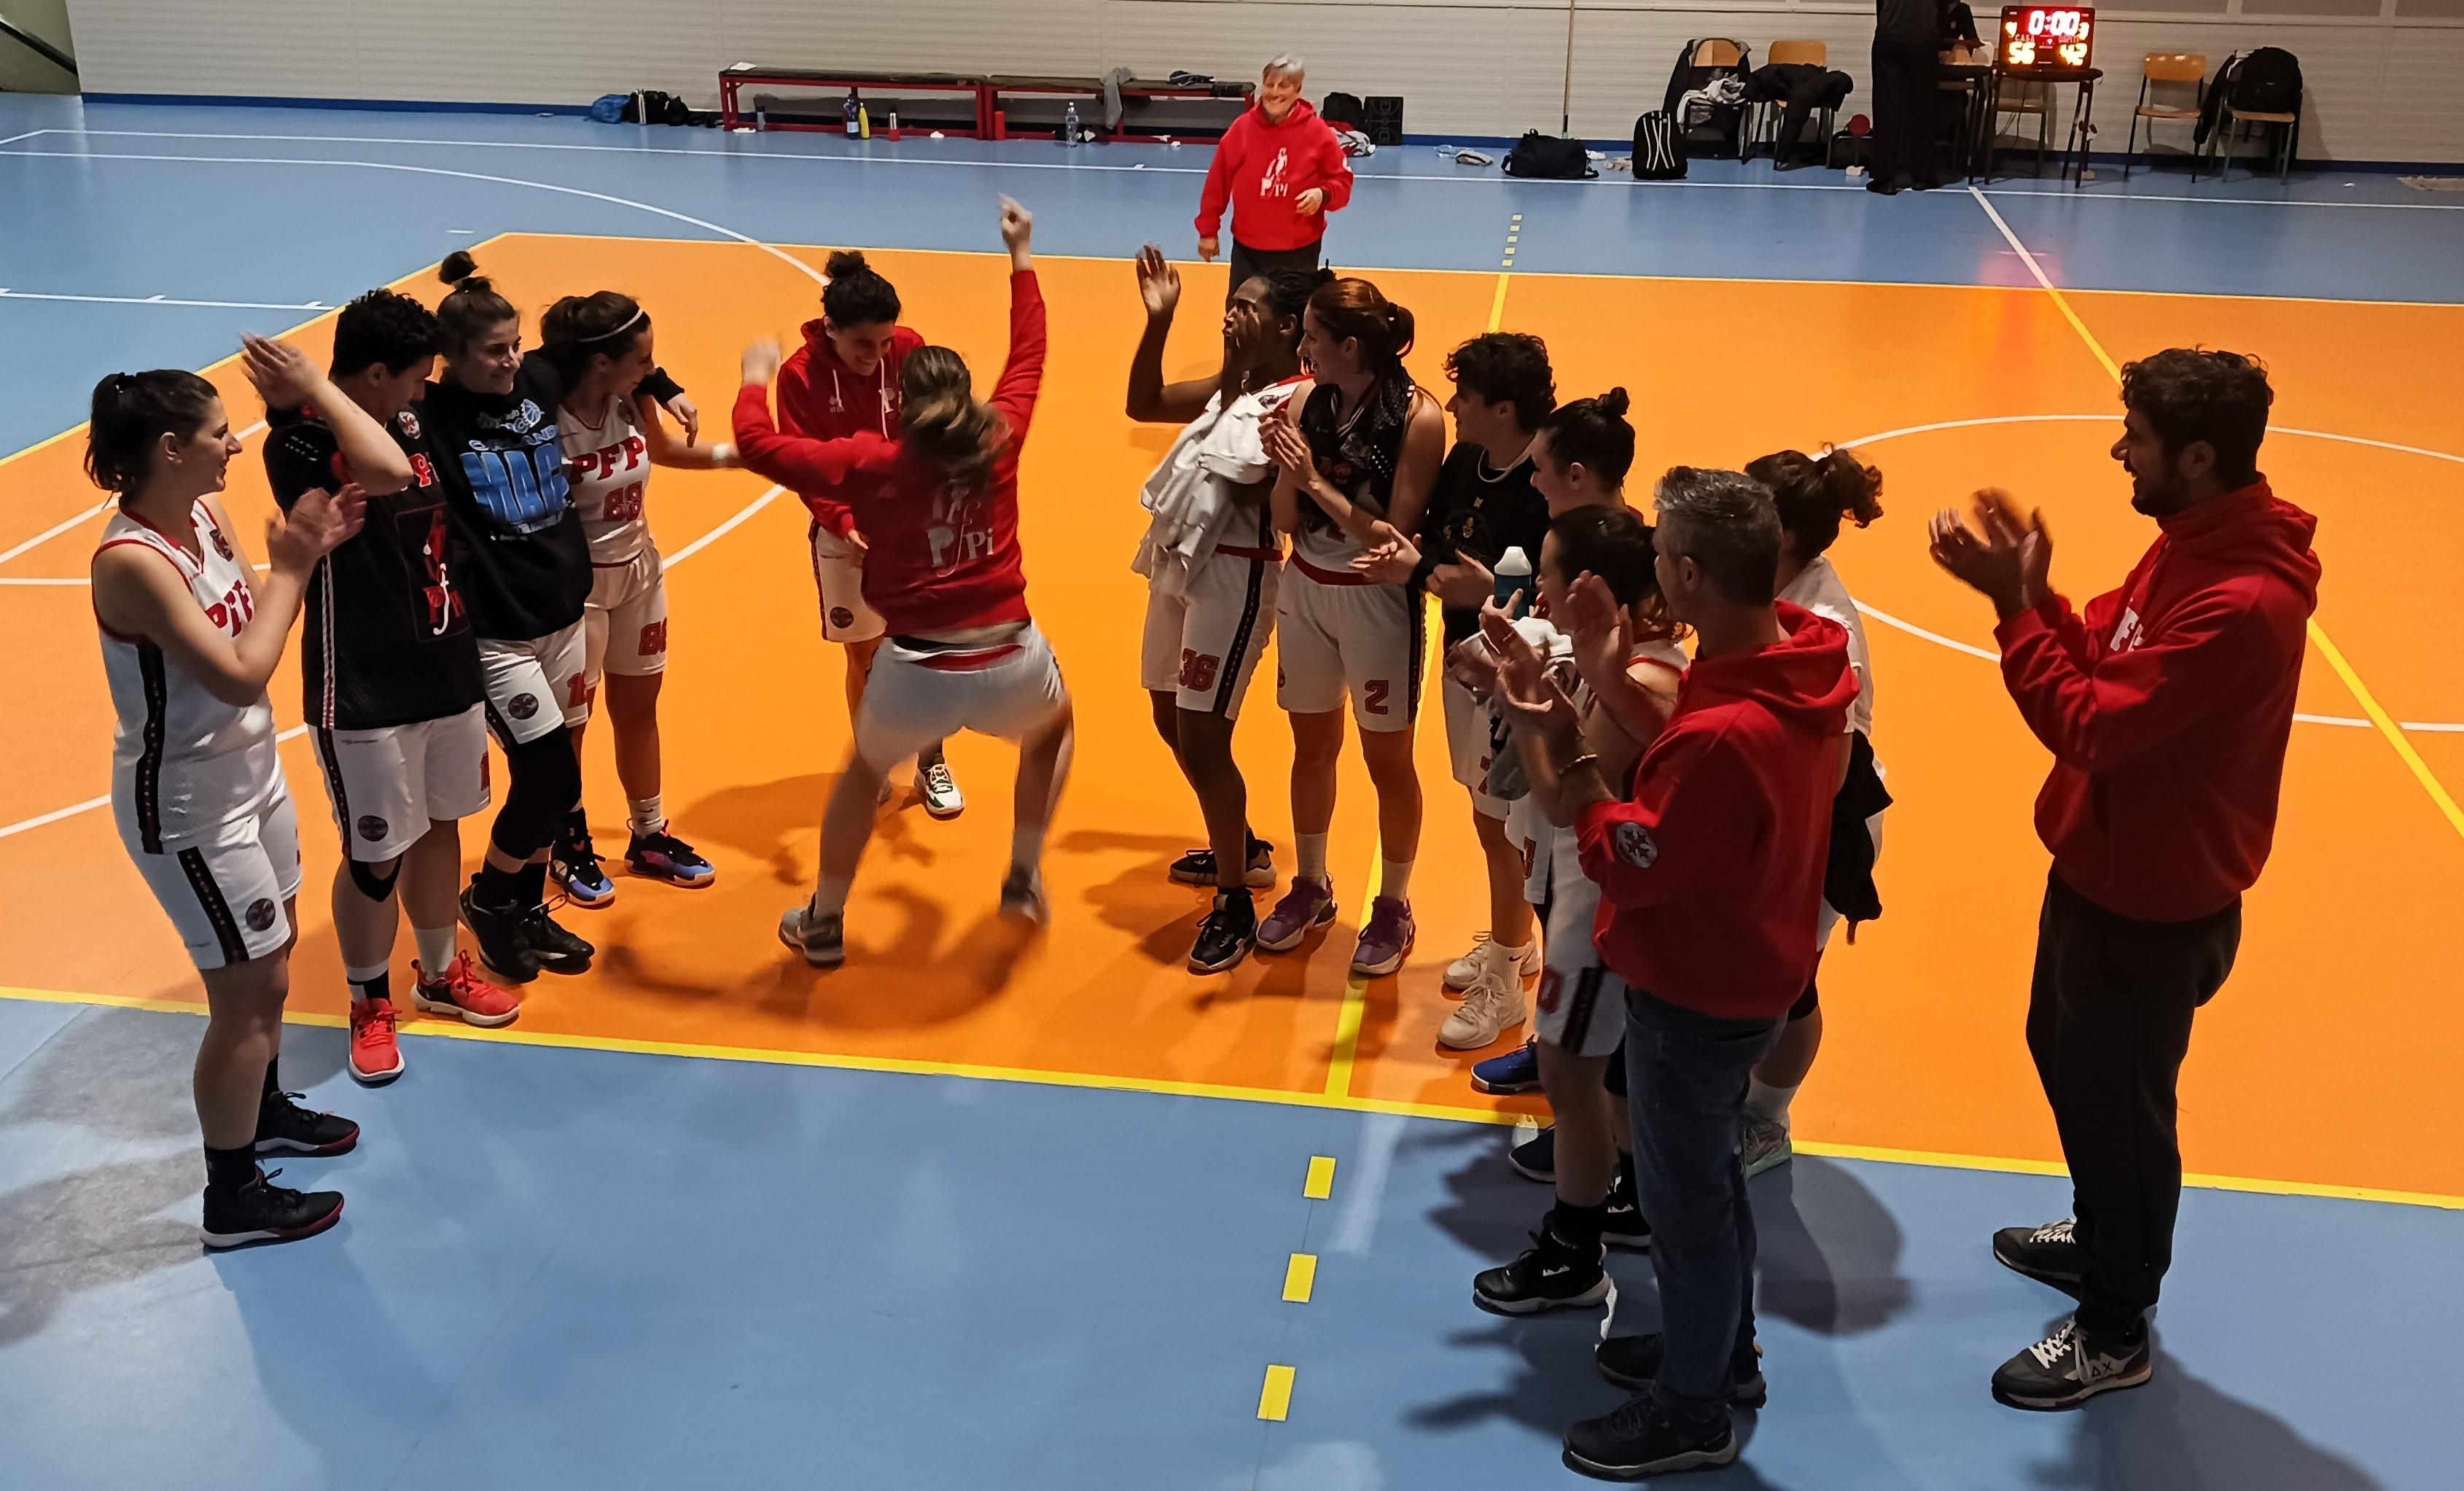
(1359, 453)
(501, 463)
(385, 638)
(1476, 512)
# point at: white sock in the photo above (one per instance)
(1026, 847)
(435, 949)
(1394, 879)
(1770, 1102)
(1311, 849)
(830, 897)
(360, 978)
(650, 815)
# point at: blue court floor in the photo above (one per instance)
(581, 1269)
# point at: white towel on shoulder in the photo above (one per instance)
(1191, 491)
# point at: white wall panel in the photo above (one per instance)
(2379, 88)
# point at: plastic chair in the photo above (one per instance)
(1763, 128)
(2169, 68)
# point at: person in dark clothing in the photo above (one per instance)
(1905, 45)
(2167, 708)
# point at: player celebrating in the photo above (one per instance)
(1367, 446)
(601, 347)
(845, 380)
(939, 502)
(389, 669)
(188, 642)
(1212, 563)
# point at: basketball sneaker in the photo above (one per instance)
(1644, 1438)
(1494, 1004)
(821, 939)
(1633, 1363)
(1196, 868)
(2070, 1367)
(939, 789)
(1309, 904)
(263, 1211)
(504, 937)
(1463, 970)
(461, 993)
(663, 856)
(557, 950)
(1516, 1071)
(1536, 1159)
(1226, 934)
(1386, 940)
(1552, 1274)
(376, 1054)
(574, 866)
(1766, 1143)
(1622, 1222)
(284, 1128)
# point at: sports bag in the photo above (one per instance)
(1551, 157)
(1655, 156)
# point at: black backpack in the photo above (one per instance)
(2268, 81)
(649, 106)
(1343, 111)
(1656, 155)
(1549, 156)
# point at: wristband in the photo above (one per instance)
(1587, 759)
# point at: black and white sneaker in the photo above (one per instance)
(2050, 1255)
(1643, 1438)
(2070, 1367)
(1196, 868)
(1553, 1275)
(557, 950)
(504, 937)
(263, 1211)
(1226, 934)
(1622, 1224)
(821, 939)
(1536, 1159)
(1633, 1363)
(284, 1128)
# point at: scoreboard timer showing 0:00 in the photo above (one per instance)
(2046, 37)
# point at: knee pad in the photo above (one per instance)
(375, 881)
(545, 783)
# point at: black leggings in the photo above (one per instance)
(546, 783)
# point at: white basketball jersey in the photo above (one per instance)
(184, 763)
(607, 466)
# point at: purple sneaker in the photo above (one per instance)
(1385, 940)
(1305, 906)
(663, 856)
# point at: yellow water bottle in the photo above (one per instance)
(864, 121)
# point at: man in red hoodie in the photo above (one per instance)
(1281, 170)
(2166, 708)
(1710, 875)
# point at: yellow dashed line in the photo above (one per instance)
(1275, 1398)
(1300, 1277)
(1321, 1177)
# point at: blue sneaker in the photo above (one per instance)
(1516, 1071)
(574, 866)
(1536, 1159)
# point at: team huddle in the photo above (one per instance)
(1663, 730)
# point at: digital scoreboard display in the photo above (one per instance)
(2046, 38)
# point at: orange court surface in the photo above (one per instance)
(2334, 1035)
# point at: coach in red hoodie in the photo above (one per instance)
(1281, 170)
(1710, 877)
(2167, 708)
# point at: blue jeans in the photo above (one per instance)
(1686, 1075)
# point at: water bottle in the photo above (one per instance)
(1513, 576)
(854, 126)
(864, 121)
(1070, 125)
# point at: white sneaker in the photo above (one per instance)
(1493, 1005)
(1461, 972)
(939, 789)
(1766, 1145)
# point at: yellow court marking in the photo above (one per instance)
(1321, 1173)
(1275, 1398)
(2328, 649)
(1300, 1277)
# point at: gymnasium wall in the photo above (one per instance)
(26, 71)
(2384, 75)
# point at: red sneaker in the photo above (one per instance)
(462, 994)
(376, 1057)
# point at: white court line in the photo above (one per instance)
(94, 512)
(228, 305)
(1187, 170)
(2425, 726)
(2012, 238)
(734, 522)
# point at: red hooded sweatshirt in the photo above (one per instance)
(822, 396)
(1710, 877)
(942, 556)
(1260, 168)
(2168, 707)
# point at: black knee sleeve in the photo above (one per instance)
(546, 781)
(375, 881)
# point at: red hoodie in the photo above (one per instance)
(941, 558)
(821, 396)
(1711, 876)
(1260, 168)
(2168, 707)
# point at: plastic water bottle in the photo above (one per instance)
(1070, 125)
(854, 123)
(1513, 576)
